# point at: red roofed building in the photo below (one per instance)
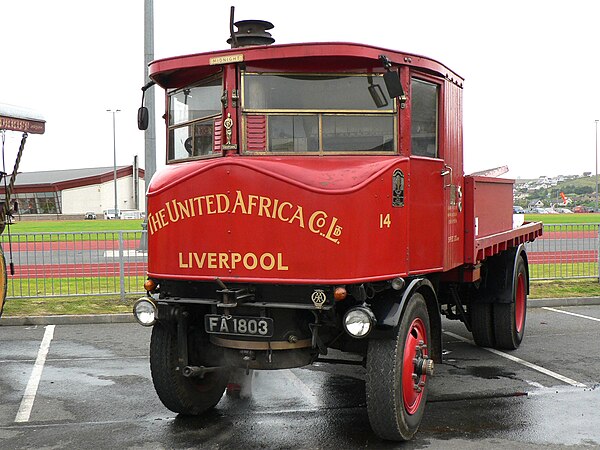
(73, 192)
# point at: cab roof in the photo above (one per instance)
(178, 71)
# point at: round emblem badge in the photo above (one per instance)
(318, 298)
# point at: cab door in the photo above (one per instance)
(426, 186)
(436, 143)
(452, 153)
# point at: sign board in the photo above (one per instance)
(15, 118)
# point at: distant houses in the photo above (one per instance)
(535, 204)
(545, 192)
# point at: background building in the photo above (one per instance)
(71, 193)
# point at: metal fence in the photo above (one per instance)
(115, 262)
(565, 251)
(82, 263)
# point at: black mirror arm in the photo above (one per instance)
(148, 85)
(145, 87)
(385, 61)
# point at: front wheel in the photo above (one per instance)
(396, 379)
(184, 395)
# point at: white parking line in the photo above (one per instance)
(522, 362)
(36, 374)
(571, 314)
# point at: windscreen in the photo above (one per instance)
(333, 113)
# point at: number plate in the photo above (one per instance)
(239, 325)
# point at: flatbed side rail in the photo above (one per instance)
(490, 245)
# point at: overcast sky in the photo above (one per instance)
(531, 69)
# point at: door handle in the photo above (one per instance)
(447, 171)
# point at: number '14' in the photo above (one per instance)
(384, 221)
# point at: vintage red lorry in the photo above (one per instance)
(314, 198)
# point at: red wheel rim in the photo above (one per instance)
(520, 303)
(413, 384)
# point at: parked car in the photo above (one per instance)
(130, 214)
(110, 214)
(90, 215)
(518, 210)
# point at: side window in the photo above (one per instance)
(194, 114)
(424, 118)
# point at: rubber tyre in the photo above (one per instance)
(482, 324)
(509, 318)
(3, 281)
(189, 396)
(391, 416)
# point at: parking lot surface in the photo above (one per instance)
(89, 386)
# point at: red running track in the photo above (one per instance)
(78, 270)
(573, 256)
(573, 234)
(71, 245)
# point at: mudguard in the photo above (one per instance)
(389, 318)
(499, 283)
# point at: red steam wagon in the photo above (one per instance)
(314, 198)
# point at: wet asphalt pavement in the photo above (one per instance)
(95, 391)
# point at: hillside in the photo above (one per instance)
(545, 192)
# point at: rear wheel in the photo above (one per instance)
(184, 395)
(3, 281)
(482, 324)
(396, 379)
(509, 318)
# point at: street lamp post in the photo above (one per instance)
(114, 111)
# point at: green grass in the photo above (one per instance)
(68, 306)
(83, 230)
(39, 287)
(588, 287)
(61, 296)
(68, 226)
(563, 271)
(564, 218)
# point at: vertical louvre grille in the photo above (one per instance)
(217, 134)
(256, 133)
